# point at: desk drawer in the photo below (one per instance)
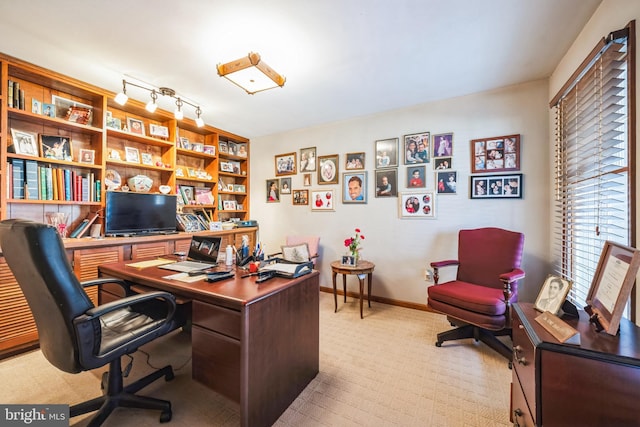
(216, 362)
(218, 319)
(520, 413)
(524, 362)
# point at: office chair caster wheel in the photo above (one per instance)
(165, 417)
(438, 344)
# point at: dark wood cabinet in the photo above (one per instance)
(595, 383)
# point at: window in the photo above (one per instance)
(594, 141)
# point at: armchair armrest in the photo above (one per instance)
(103, 309)
(512, 276)
(106, 280)
(438, 264)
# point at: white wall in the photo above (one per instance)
(401, 248)
(610, 16)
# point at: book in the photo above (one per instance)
(84, 226)
(31, 179)
(18, 178)
(10, 94)
(16, 95)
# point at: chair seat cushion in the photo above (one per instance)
(469, 297)
(121, 326)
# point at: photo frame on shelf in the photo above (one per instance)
(416, 148)
(180, 172)
(552, 294)
(209, 149)
(158, 131)
(354, 161)
(286, 164)
(131, 155)
(24, 143)
(49, 110)
(147, 158)
(611, 286)
(387, 182)
(184, 143)
(308, 159)
(495, 154)
(328, 169)
(135, 126)
(417, 205)
(188, 194)
(496, 186)
(223, 147)
(322, 200)
(273, 192)
(56, 147)
(232, 148)
(386, 153)
(242, 150)
(354, 187)
(72, 111)
(197, 147)
(86, 156)
(417, 176)
(229, 205)
(285, 185)
(300, 197)
(446, 182)
(239, 188)
(226, 167)
(348, 260)
(36, 106)
(443, 145)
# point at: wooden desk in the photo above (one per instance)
(364, 268)
(257, 344)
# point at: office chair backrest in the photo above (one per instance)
(313, 243)
(485, 253)
(38, 260)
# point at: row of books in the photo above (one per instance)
(33, 181)
(15, 95)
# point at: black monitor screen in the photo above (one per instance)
(139, 213)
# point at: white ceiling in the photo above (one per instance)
(342, 58)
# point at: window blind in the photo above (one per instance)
(593, 179)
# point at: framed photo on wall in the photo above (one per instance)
(308, 159)
(354, 161)
(300, 197)
(495, 154)
(441, 163)
(416, 176)
(285, 164)
(416, 148)
(386, 182)
(354, 187)
(285, 185)
(417, 205)
(273, 192)
(443, 145)
(496, 186)
(386, 153)
(446, 182)
(322, 200)
(328, 169)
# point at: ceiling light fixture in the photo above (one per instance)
(251, 74)
(151, 106)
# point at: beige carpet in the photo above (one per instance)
(383, 370)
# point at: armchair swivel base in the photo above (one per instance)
(116, 395)
(463, 331)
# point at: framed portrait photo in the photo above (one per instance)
(131, 154)
(443, 145)
(416, 148)
(354, 187)
(300, 197)
(135, 126)
(308, 159)
(354, 161)
(496, 186)
(441, 163)
(286, 164)
(285, 185)
(387, 183)
(273, 192)
(86, 156)
(158, 131)
(147, 159)
(328, 170)
(495, 154)
(306, 179)
(552, 294)
(416, 176)
(24, 143)
(56, 147)
(417, 205)
(322, 200)
(446, 182)
(386, 153)
(72, 111)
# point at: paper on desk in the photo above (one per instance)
(150, 263)
(184, 277)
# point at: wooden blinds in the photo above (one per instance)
(593, 184)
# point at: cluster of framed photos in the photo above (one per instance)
(137, 126)
(191, 195)
(53, 147)
(233, 148)
(491, 155)
(64, 108)
(189, 172)
(196, 147)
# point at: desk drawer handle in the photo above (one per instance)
(521, 326)
(516, 414)
(521, 361)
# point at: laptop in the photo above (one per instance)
(203, 254)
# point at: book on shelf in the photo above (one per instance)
(18, 178)
(10, 94)
(31, 180)
(84, 226)
(16, 95)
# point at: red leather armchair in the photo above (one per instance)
(477, 301)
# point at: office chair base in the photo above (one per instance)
(478, 334)
(117, 395)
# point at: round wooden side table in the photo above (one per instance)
(364, 268)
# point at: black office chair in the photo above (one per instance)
(74, 334)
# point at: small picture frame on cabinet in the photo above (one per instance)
(24, 142)
(552, 294)
(86, 156)
(56, 147)
(132, 155)
(135, 126)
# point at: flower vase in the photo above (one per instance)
(356, 257)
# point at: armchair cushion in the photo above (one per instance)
(470, 297)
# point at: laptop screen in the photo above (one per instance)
(205, 248)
